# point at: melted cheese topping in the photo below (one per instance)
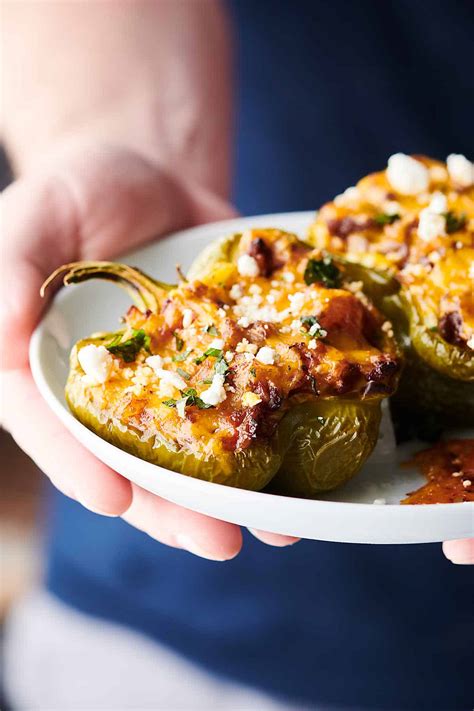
(221, 379)
(418, 224)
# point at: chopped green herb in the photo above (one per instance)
(253, 372)
(313, 327)
(384, 219)
(212, 352)
(211, 330)
(192, 398)
(129, 349)
(179, 342)
(183, 373)
(433, 329)
(206, 381)
(323, 271)
(182, 356)
(221, 366)
(454, 223)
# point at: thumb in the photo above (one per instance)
(95, 204)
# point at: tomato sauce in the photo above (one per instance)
(449, 468)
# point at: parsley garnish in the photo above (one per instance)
(183, 373)
(179, 342)
(212, 330)
(221, 366)
(190, 397)
(384, 219)
(253, 372)
(313, 327)
(212, 352)
(129, 349)
(453, 222)
(323, 271)
(182, 356)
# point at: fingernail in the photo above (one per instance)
(462, 561)
(100, 512)
(280, 541)
(189, 544)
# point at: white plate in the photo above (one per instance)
(346, 515)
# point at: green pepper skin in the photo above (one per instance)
(330, 441)
(317, 446)
(250, 468)
(436, 389)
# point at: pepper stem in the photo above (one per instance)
(145, 292)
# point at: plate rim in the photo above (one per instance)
(82, 433)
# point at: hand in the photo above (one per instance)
(460, 552)
(94, 204)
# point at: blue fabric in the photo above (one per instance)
(327, 92)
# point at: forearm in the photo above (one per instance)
(150, 75)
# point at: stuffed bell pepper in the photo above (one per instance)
(411, 228)
(266, 364)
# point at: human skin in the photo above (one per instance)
(117, 120)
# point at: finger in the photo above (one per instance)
(95, 205)
(460, 552)
(181, 528)
(71, 467)
(273, 539)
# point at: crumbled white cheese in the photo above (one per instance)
(350, 195)
(289, 277)
(434, 256)
(392, 207)
(229, 356)
(217, 343)
(250, 399)
(255, 289)
(380, 502)
(407, 175)
(467, 483)
(460, 169)
(471, 270)
(296, 302)
(266, 355)
(243, 321)
(155, 361)
(236, 292)
(181, 408)
(247, 266)
(456, 474)
(221, 311)
(167, 389)
(188, 317)
(470, 343)
(438, 173)
(316, 328)
(431, 225)
(438, 203)
(168, 376)
(216, 393)
(312, 344)
(96, 362)
(246, 347)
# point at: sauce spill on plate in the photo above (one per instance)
(449, 468)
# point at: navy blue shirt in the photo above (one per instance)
(327, 91)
